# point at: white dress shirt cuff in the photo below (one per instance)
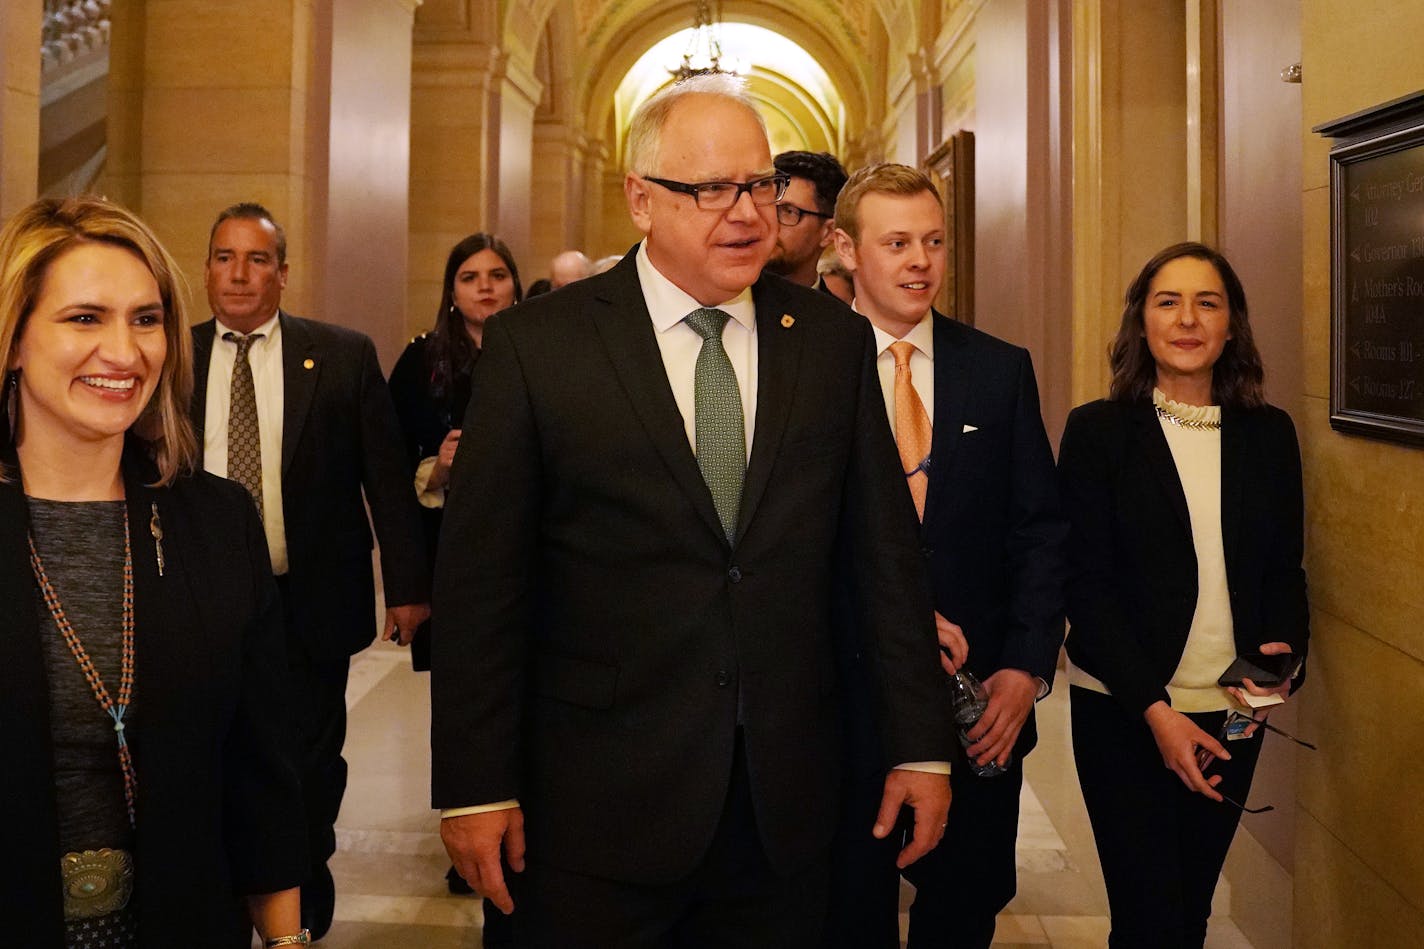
(424, 493)
(479, 809)
(928, 767)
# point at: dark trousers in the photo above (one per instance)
(319, 696)
(864, 907)
(960, 886)
(1161, 846)
(733, 900)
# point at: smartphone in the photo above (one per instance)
(1264, 670)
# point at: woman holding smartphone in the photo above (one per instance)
(1184, 493)
(149, 780)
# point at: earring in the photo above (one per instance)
(10, 399)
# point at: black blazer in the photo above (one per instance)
(339, 436)
(1133, 568)
(425, 420)
(219, 810)
(593, 627)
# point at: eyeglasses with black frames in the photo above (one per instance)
(1243, 808)
(722, 195)
(1236, 719)
(790, 215)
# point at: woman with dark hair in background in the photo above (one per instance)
(149, 780)
(430, 385)
(1184, 493)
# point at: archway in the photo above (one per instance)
(803, 106)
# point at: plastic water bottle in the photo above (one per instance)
(969, 701)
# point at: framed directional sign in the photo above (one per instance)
(1377, 271)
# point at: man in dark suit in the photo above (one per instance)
(632, 665)
(298, 413)
(964, 407)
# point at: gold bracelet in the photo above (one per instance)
(302, 938)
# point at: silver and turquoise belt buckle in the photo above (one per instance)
(96, 882)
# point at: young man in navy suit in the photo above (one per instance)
(964, 409)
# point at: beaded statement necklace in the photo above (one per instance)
(1196, 424)
(114, 709)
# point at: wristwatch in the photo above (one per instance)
(302, 938)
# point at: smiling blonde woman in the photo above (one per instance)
(145, 743)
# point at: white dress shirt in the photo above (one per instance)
(921, 364)
(679, 343)
(265, 358)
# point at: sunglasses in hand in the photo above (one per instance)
(1241, 725)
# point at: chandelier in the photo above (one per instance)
(703, 56)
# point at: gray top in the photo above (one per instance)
(81, 544)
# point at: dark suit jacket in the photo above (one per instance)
(594, 628)
(339, 435)
(992, 533)
(425, 420)
(219, 804)
(1133, 581)
(991, 525)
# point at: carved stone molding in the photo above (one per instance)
(73, 30)
(456, 64)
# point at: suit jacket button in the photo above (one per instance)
(735, 575)
(723, 678)
(927, 551)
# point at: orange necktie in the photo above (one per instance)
(912, 426)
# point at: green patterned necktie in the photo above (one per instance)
(721, 429)
(244, 444)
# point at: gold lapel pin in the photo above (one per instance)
(308, 364)
(787, 321)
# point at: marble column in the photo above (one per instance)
(224, 115)
(472, 132)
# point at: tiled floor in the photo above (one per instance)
(390, 867)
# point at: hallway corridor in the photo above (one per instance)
(390, 866)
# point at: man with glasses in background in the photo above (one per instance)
(634, 671)
(806, 215)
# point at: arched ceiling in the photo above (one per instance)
(609, 36)
(799, 101)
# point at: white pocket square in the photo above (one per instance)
(970, 428)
